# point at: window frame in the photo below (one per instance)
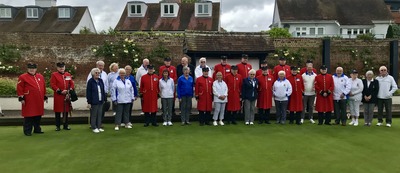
(7, 13)
(30, 13)
(63, 11)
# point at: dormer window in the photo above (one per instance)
(5, 13)
(64, 13)
(137, 9)
(32, 13)
(203, 9)
(169, 9)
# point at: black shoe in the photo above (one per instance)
(234, 123)
(291, 122)
(28, 134)
(260, 122)
(208, 124)
(67, 128)
(328, 124)
(319, 123)
(39, 132)
(58, 129)
(201, 124)
(188, 123)
(267, 122)
(146, 125)
(155, 125)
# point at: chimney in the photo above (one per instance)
(46, 3)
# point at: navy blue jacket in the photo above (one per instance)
(133, 81)
(248, 91)
(92, 93)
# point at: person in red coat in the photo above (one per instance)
(223, 67)
(259, 72)
(264, 100)
(31, 91)
(204, 96)
(296, 99)
(61, 82)
(244, 67)
(234, 83)
(308, 63)
(324, 87)
(282, 67)
(149, 91)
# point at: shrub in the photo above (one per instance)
(8, 87)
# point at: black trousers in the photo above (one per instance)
(30, 122)
(58, 119)
(150, 117)
(204, 117)
(264, 115)
(295, 117)
(231, 116)
(324, 115)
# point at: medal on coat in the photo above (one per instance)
(67, 77)
(155, 79)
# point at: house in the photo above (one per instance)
(321, 18)
(45, 17)
(170, 16)
(394, 6)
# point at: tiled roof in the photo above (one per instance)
(185, 20)
(48, 23)
(346, 12)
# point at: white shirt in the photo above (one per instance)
(198, 72)
(167, 88)
(309, 82)
(122, 92)
(387, 86)
(282, 89)
(111, 78)
(356, 89)
(220, 89)
(104, 77)
(342, 86)
(141, 71)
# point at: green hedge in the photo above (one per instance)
(8, 88)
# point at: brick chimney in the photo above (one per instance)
(46, 3)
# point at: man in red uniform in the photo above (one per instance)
(264, 100)
(204, 96)
(31, 91)
(296, 99)
(244, 67)
(234, 83)
(61, 83)
(259, 72)
(149, 91)
(308, 63)
(223, 67)
(282, 67)
(172, 74)
(324, 87)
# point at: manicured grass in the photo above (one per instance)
(260, 148)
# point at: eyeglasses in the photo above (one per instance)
(383, 70)
(96, 72)
(203, 62)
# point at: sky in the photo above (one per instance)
(237, 15)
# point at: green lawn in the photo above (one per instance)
(259, 148)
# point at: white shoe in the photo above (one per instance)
(247, 123)
(164, 123)
(114, 113)
(378, 124)
(141, 113)
(352, 122)
(122, 124)
(169, 123)
(355, 124)
(101, 130)
(301, 121)
(388, 125)
(221, 123)
(312, 121)
(128, 127)
(215, 123)
(96, 131)
(116, 128)
(129, 124)
(251, 123)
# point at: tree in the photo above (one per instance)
(279, 33)
(389, 33)
(85, 30)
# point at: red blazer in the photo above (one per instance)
(259, 72)
(225, 70)
(265, 84)
(33, 89)
(243, 69)
(324, 83)
(304, 69)
(204, 93)
(284, 68)
(149, 90)
(172, 72)
(234, 84)
(61, 82)
(296, 99)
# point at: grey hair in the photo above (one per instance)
(94, 70)
(100, 62)
(185, 68)
(202, 58)
(252, 71)
(121, 70)
(369, 72)
(382, 67)
(282, 72)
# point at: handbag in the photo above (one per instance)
(73, 96)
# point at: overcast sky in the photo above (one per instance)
(237, 15)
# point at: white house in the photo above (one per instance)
(321, 18)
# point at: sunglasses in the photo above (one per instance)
(383, 70)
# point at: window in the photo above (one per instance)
(320, 31)
(32, 13)
(64, 13)
(348, 31)
(202, 9)
(5, 12)
(301, 31)
(136, 9)
(168, 9)
(312, 31)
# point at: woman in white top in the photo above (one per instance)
(167, 90)
(355, 97)
(220, 91)
(198, 70)
(282, 89)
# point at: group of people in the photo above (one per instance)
(229, 89)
